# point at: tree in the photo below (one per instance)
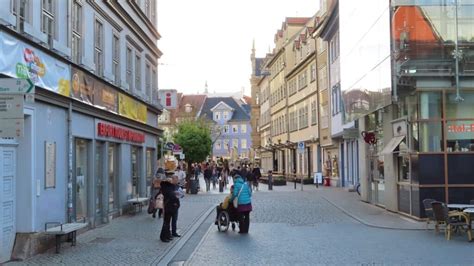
(194, 137)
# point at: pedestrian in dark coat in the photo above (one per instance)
(171, 205)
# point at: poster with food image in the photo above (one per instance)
(20, 60)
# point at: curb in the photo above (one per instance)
(171, 252)
(201, 242)
(362, 221)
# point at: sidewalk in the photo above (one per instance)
(126, 240)
(368, 214)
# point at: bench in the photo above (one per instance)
(61, 229)
(137, 203)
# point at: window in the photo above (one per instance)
(47, 18)
(235, 128)
(76, 17)
(153, 11)
(148, 80)
(138, 73)
(24, 6)
(226, 144)
(313, 72)
(98, 45)
(129, 68)
(243, 143)
(226, 128)
(336, 100)
(154, 82)
(314, 118)
(218, 145)
(243, 128)
(235, 143)
(225, 115)
(217, 115)
(116, 58)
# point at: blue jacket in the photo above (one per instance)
(246, 194)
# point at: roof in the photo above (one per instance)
(195, 100)
(239, 113)
(258, 66)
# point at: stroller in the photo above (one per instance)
(227, 217)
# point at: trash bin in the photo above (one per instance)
(194, 186)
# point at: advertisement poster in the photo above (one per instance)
(82, 86)
(132, 109)
(20, 60)
(105, 97)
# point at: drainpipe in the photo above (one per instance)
(457, 55)
(70, 214)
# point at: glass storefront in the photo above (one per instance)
(81, 178)
(374, 124)
(149, 169)
(112, 174)
(99, 178)
(136, 162)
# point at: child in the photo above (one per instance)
(224, 204)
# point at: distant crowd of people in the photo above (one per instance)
(166, 192)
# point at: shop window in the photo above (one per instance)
(460, 109)
(403, 168)
(430, 105)
(460, 135)
(430, 137)
(82, 172)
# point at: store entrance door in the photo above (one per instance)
(82, 178)
(7, 201)
(100, 174)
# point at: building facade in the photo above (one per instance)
(231, 133)
(90, 136)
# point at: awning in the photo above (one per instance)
(392, 145)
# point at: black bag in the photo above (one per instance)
(151, 206)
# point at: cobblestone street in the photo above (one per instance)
(287, 227)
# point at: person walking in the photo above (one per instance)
(171, 205)
(181, 177)
(214, 175)
(207, 177)
(244, 198)
(256, 176)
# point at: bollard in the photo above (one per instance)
(294, 180)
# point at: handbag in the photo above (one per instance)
(236, 199)
(151, 206)
(159, 202)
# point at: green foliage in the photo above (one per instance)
(195, 139)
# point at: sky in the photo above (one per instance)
(211, 40)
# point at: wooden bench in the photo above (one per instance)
(60, 229)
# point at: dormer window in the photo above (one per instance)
(226, 115)
(188, 108)
(217, 115)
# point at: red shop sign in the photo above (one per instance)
(112, 131)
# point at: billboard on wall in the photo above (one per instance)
(132, 109)
(88, 89)
(20, 60)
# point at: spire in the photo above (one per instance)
(205, 88)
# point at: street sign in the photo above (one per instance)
(301, 147)
(11, 106)
(16, 86)
(11, 128)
